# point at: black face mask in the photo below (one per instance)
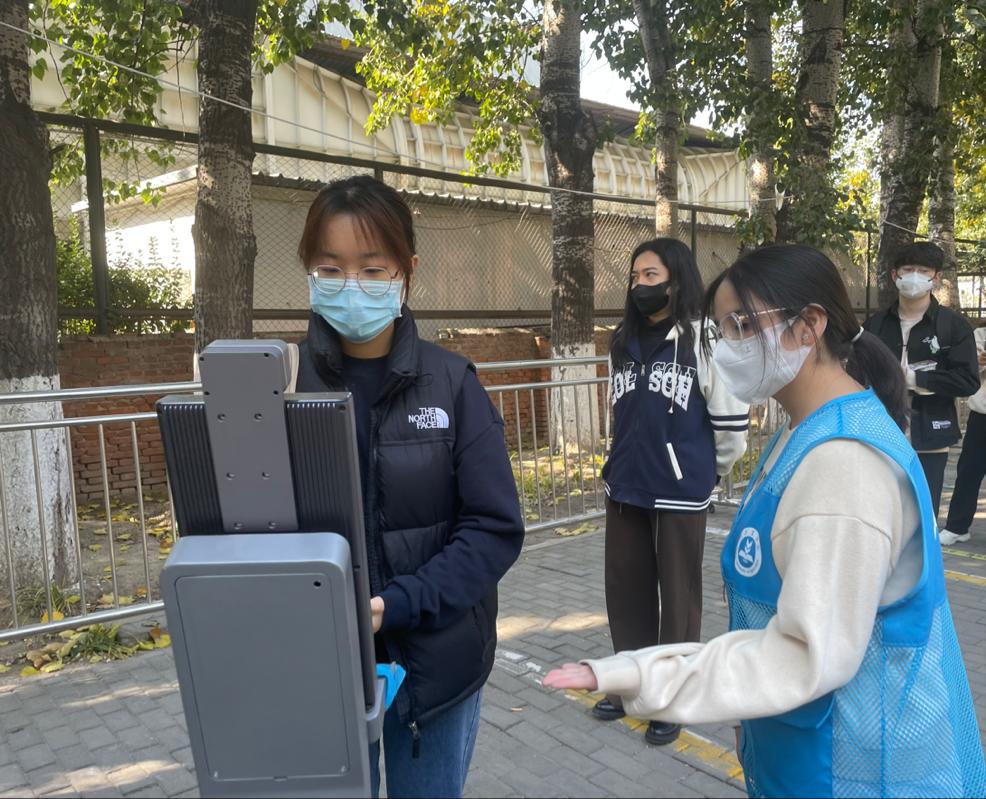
(650, 299)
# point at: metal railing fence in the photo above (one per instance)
(81, 569)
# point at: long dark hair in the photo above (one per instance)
(685, 289)
(791, 277)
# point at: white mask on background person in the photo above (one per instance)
(756, 368)
(913, 285)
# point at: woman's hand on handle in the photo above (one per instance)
(376, 611)
(571, 675)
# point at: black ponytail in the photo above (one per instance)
(871, 363)
(794, 276)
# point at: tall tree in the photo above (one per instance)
(760, 124)
(570, 138)
(39, 515)
(809, 188)
(225, 246)
(414, 48)
(660, 56)
(908, 127)
(941, 189)
(231, 37)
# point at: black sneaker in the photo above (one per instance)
(604, 710)
(660, 733)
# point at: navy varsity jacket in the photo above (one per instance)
(675, 428)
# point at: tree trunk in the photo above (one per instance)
(569, 144)
(941, 191)
(810, 194)
(941, 218)
(908, 134)
(38, 537)
(652, 19)
(225, 246)
(760, 166)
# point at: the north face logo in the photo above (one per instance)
(429, 419)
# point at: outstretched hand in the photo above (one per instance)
(572, 675)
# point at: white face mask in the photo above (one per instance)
(913, 285)
(756, 368)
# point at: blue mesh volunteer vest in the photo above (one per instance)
(905, 725)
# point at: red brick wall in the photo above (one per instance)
(510, 344)
(85, 362)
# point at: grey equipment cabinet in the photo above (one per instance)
(266, 590)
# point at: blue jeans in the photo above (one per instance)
(444, 752)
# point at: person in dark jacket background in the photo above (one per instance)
(676, 430)
(936, 350)
(443, 520)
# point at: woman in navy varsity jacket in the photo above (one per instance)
(676, 431)
(443, 521)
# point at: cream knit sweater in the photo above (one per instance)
(843, 542)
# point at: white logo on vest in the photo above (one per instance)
(429, 419)
(748, 554)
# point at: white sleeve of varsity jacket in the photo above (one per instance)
(730, 417)
(834, 562)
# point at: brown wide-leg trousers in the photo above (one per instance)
(653, 576)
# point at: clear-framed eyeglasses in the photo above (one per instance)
(737, 325)
(373, 280)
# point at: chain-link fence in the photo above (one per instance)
(485, 245)
(971, 269)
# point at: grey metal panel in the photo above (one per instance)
(264, 633)
(244, 384)
(321, 435)
(188, 456)
(325, 463)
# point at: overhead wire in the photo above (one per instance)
(374, 148)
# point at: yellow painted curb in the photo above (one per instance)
(711, 754)
(975, 579)
(961, 553)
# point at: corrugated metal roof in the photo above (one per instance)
(316, 103)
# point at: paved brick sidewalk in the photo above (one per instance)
(117, 729)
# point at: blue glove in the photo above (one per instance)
(393, 674)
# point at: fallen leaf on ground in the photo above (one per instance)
(56, 615)
(569, 531)
(95, 547)
(29, 671)
(55, 665)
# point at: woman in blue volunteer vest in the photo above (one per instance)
(842, 660)
(676, 430)
(443, 521)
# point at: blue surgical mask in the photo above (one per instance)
(354, 314)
